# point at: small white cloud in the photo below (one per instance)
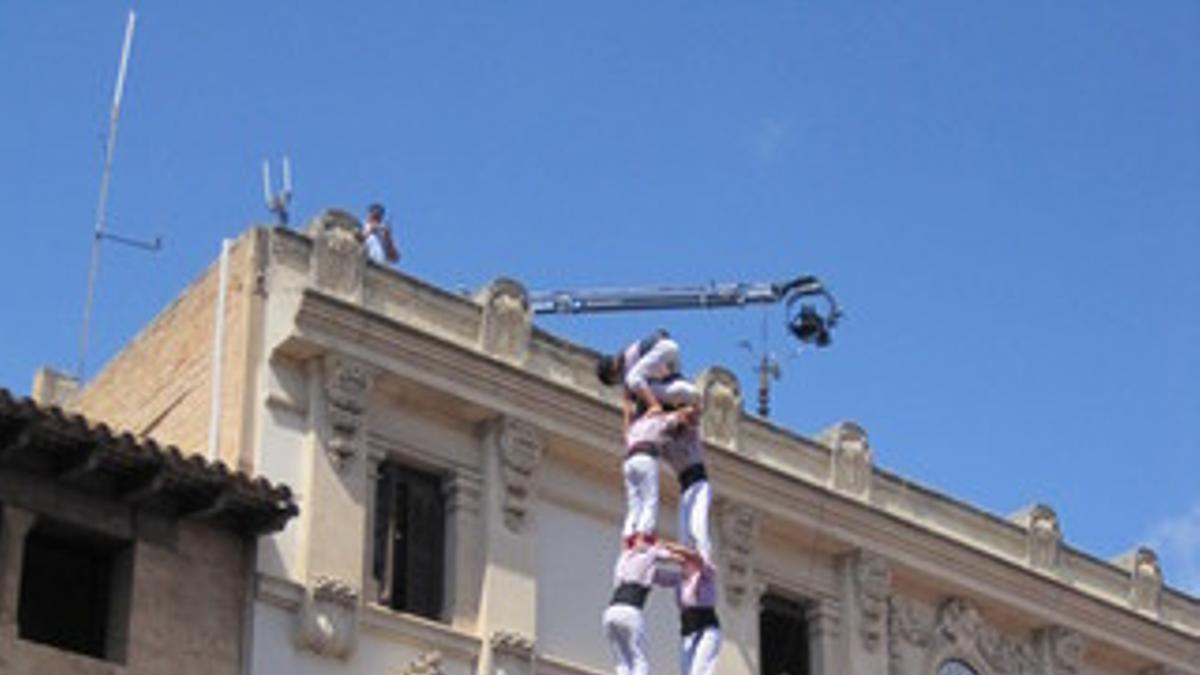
(769, 138)
(1177, 542)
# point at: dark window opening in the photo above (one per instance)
(783, 637)
(409, 539)
(75, 590)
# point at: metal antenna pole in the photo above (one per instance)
(278, 202)
(102, 207)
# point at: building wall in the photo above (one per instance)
(170, 361)
(188, 596)
(354, 364)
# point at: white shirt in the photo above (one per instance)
(660, 362)
(375, 249)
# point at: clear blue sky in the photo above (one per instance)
(1005, 196)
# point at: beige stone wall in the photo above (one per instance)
(159, 385)
(188, 607)
(186, 615)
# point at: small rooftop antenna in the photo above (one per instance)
(278, 202)
(100, 234)
(768, 369)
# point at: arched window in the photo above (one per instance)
(956, 667)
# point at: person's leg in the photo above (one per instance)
(684, 532)
(618, 632)
(704, 652)
(641, 495)
(677, 392)
(699, 505)
(640, 663)
(687, 652)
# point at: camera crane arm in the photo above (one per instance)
(805, 323)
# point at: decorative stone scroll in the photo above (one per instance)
(738, 528)
(520, 446)
(722, 415)
(338, 261)
(512, 644)
(1043, 536)
(512, 654)
(852, 460)
(347, 388)
(328, 621)
(872, 584)
(1145, 581)
(1059, 650)
(428, 663)
(507, 320)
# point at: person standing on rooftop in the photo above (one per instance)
(376, 237)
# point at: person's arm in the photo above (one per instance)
(667, 576)
(389, 246)
(627, 413)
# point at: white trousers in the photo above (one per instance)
(694, 505)
(641, 494)
(625, 629)
(677, 392)
(698, 655)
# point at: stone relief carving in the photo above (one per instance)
(520, 445)
(722, 398)
(957, 630)
(852, 458)
(512, 644)
(738, 528)
(872, 584)
(347, 387)
(1059, 650)
(507, 320)
(428, 663)
(338, 262)
(328, 621)
(1146, 581)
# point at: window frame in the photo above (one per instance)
(382, 581)
(108, 558)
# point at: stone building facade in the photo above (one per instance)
(119, 556)
(457, 470)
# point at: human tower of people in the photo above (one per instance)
(661, 419)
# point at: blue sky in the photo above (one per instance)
(1003, 196)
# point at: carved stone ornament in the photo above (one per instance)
(338, 260)
(722, 414)
(428, 663)
(852, 458)
(347, 388)
(1146, 581)
(520, 446)
(512, 644)
(507, 320)
(328, 620)
(1059, 650)
(956, 631)
(1044, 537)
(962, 630)
(872, 584)
(738, 528)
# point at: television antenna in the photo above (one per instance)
(278, 202)
(100, 233)
(768, 368)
